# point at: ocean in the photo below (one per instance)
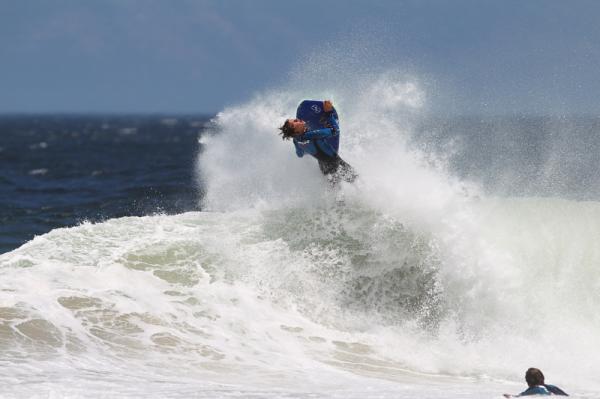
(188, 256)
(62, 170)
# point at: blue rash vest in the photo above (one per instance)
(545, 389)
(322, 140)
(536, 390)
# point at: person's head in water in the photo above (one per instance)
(534, 377)
(292, 128)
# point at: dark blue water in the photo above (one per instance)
(58, 171)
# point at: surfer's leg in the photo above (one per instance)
(346, 172)
(336, 169)
(329, 168)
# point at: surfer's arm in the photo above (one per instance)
(299, 150)
(333, 123)
(318, 134)
(555, 390)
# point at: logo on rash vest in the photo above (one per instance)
(316, 108)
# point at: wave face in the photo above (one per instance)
(410, 280)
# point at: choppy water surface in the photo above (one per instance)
(60, 170)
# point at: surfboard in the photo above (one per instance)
(312, 113)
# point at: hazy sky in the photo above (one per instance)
(199, 56)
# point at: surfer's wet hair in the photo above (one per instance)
(534, 377)
(287, 130)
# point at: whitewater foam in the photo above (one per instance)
(415, 284)
(246, 300)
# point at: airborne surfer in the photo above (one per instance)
(316, 131)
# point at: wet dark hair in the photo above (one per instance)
(287, 130)
(534, 377)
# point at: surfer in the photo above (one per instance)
(316, 131)
(535, 380)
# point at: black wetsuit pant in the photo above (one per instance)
(336, 169)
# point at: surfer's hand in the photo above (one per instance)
(507, 395)
(327, 106)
